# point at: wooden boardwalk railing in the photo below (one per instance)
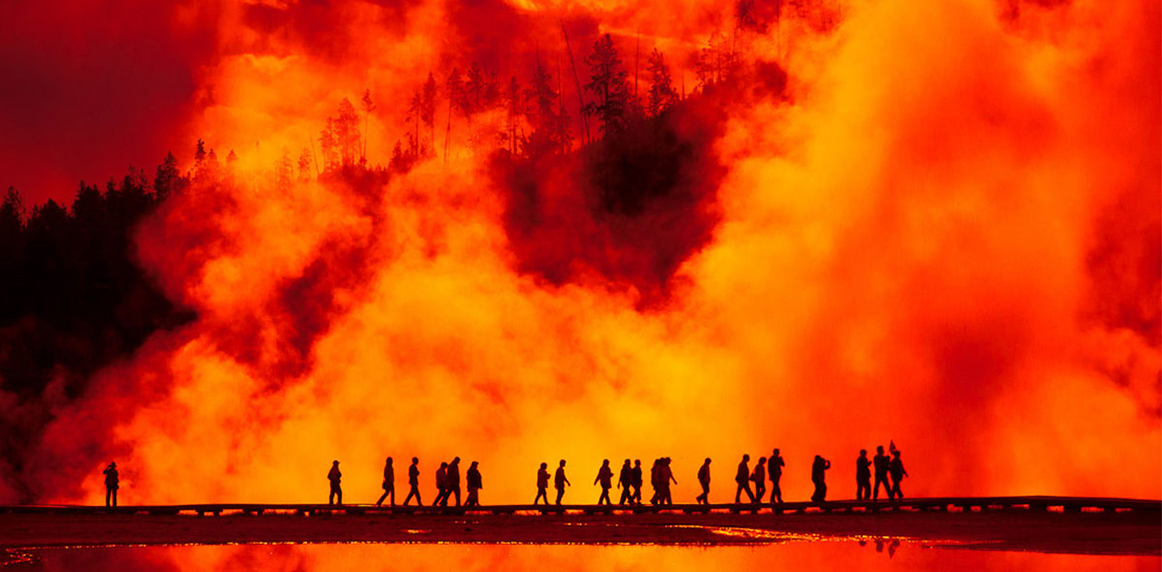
(963, 504)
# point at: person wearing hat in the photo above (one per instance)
(112, 483)
(334, 477)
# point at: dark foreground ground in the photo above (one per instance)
(1127, 533)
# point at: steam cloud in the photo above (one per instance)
(939, 225)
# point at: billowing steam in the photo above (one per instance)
(936, 223)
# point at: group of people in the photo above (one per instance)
(629, 480)
(884, 467)
(447, 483)
(772, 466)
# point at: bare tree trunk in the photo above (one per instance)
(448, 131)
(577, 80)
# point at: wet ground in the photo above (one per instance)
(1123, 533)
(865, 555)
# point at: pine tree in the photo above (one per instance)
(168, 180)
(609, 86)
(662, 94)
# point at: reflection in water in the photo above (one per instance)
(866, 555)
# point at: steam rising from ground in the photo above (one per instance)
(944, 233)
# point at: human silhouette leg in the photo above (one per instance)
(876, 490)
(414, 492)
(108, 496)
(381, 498)
(625, 496)
(542, 493)
(759, 491)
(776, 492)
(560, 493)
(457, 491)
(743, 487)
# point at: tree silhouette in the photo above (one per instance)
(609, 86)
(662, 94)
(368, 107)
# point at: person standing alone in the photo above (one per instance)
(112, 483)
(336, 491)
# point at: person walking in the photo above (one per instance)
(760, 479)
(334, 476)
(704, 480)
(862, 476)
(560, 481)
(441, 485)
(880, 461)
(819, 477)
(666, 477)
(625, 483)
(388, 483)
(475, 483)
(896, 469)
(775, 469)
(656, 481)
(414, 482)
(605, 477)
(637, 482)
(742, 477)
(452, 481)
(542, 484)
(112, 483)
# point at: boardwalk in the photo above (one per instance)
(941, 504)
(1049, 524)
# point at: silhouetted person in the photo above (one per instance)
(655, 481)
(441, 485)
(388, 483)
(760, 479)
(336, 490)
(881, 465)
(742, 477)
(605, 477)
(542, 484)
(452, 481)
(112, 483)
(862, 476)
(637, 481)
(898, 473)
(704, 480)
(819, 477)
(666, 477)
(625, 483)
(475, 483)
(559, 481)
(775, 469)
(414, 482)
